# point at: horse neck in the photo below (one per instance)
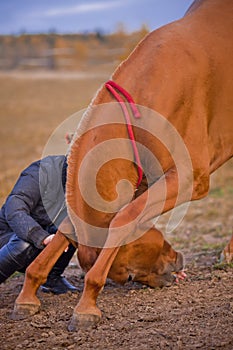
(95, 167)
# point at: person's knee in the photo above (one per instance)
(21, 252)
(16, 255)
(18, 246)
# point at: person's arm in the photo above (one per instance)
(21, 202)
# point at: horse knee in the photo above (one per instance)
(94, 282)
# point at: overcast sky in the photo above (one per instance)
(67, 16)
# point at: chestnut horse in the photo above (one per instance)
(181, 78)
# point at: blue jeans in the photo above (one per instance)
(17, 255)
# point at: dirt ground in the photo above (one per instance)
(195, 314)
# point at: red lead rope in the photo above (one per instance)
(112, 87)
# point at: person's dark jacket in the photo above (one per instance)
(36, 205)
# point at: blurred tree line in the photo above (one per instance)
(54, 51)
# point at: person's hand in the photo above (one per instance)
(48, 239)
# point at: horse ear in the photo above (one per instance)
(68, 137)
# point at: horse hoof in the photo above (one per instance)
(83, 321)
(22, 311)
(226, 257)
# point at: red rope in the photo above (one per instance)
(112, 87)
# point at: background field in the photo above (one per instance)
(198, 313)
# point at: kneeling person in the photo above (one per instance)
(29, 219)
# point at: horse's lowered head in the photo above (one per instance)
(149, 260)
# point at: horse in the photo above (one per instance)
(148, 143)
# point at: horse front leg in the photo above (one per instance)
(86, 313)
(27, 303)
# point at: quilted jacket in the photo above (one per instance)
(36, 205)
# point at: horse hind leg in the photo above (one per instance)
(227, 253)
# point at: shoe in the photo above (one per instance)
(57, 285)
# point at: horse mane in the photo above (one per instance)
(84, 122)
(73, 153)
(73, 149)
